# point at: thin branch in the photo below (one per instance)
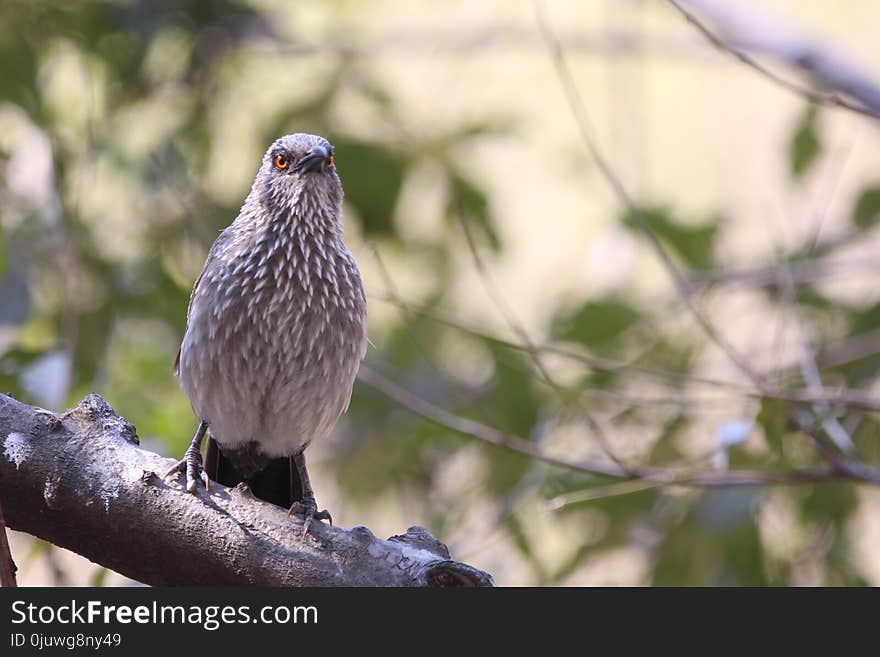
(842, 399)
(666, 476)
(810, 373)
(850, 350)
(393, 293)
(465, 41)
(589, 362)
(837, 166)
(497, 299)
(802, 272)
(576, 104)
(867, 345)
(596, 363)
(600, 493)
(808, 94)
(577, 107)
(494, 293)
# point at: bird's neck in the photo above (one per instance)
(298, 230)
(297, 245)
(303, 212)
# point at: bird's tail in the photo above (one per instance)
(277, 483)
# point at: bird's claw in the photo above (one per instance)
(192, 466)
(308, 509)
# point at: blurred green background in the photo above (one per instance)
(130, 131)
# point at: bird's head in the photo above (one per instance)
(298, 176)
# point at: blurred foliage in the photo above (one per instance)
(129, 132)
(805, 146)
(867, 210)
(597, 323)
(693, 243)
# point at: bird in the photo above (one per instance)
(276, 330)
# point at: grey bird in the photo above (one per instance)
(276, 330)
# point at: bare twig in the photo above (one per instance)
(667, 476)
(393, 293)
(600, 493)
(810, 373)
(515, 325)
(463, 40)
(855, 349)
(802, 272)
(849, 350)
(837, 166)
(576, 104)
(497, 299)
(596, 363)
(871, 100)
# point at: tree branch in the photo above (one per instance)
(578, 110)
(465, 41)
(852, 349)
(579, 114)
(80, 481)
(753, 32)
(7, 565)
(840, 469)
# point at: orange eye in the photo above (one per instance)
(281, 162)
(330, 161)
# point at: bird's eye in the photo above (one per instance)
(330, 161)
(281, 162)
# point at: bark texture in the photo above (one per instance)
(80, 480)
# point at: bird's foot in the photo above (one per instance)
(192, 466)
(308, 509)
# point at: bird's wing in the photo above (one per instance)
(176, 368)
(218, 244)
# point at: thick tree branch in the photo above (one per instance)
(7, 565)
(81, 482)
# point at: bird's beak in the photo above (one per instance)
(317, 159)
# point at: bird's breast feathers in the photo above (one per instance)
(275, 336)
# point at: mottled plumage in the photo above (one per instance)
(276, 326)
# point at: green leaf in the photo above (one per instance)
(717, 543)
(99, 576)
(521, 540)
(666, 449)
(598, 323)
(863, 321)
(832, 509)
(472, 204)
(867, 210)
(774, 420)
(858, 371)
(832, 504)
(373, 176)
(812, 298)
(867, 438)
(692, 243)
(805, 146)
(514, 404)
(674, 354)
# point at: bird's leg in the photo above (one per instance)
(307, 506)
(192, 462)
